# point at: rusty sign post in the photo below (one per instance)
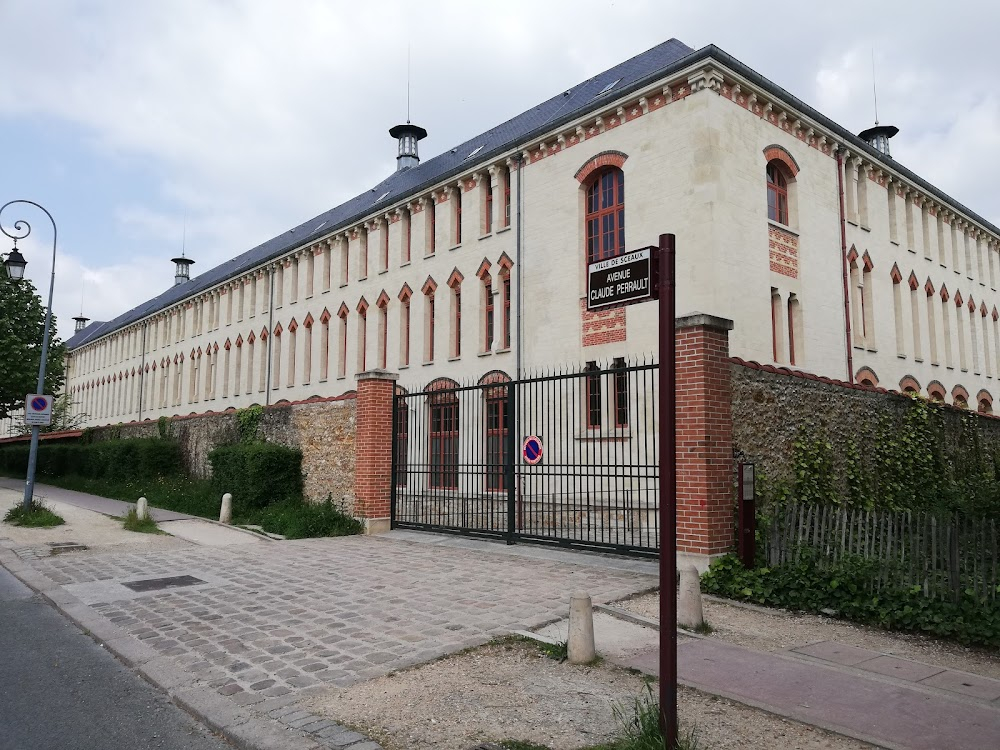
(668, 490)
(639, 276)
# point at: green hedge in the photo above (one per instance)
(257, 474)
(845, 586)
(139, 458)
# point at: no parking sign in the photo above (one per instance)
(531, 449)
(37, 410)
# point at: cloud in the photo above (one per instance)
(252, 116)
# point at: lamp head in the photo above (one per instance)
(15, 264)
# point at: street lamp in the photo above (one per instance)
(15, 264)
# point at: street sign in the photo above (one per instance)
(621, 280)
(532, 449)
(37, 410)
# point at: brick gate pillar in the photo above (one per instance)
(705, 491)
(373, 449)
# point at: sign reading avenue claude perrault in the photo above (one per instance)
(621, 280)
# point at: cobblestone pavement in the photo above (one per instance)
(274, 622)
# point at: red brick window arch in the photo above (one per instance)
(605, 214)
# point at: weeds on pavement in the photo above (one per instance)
(143, 525)
(35, 515)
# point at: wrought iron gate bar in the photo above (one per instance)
(457, 463)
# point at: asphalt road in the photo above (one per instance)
(59, 690)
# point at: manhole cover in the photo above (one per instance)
(157, 584)
(59, 547)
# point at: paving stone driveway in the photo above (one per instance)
(274, 619)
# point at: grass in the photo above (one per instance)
(703, 629)
(146, 525)
(35, 516)
(639, 729)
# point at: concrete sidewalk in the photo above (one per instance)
(193, 529)
(104, 505)
(902, 705)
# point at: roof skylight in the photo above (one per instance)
(607, 88)
(475, 151)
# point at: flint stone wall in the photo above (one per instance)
(323, 429)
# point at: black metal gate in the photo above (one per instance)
(458, 464)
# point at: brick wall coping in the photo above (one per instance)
(43, 436)
(378, 374)
(704, 320)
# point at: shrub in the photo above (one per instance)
(299, 520)
(844, 586)
(257, 474)
(138, 458)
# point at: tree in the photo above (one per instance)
(22, 322)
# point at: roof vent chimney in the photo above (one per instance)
(408, 136)
(879, 136)
(182, 269)
(81, 323)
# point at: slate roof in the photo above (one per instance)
(631, 75)
(563, 107)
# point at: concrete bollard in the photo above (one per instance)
(580, 646)
(142, 509)
(689, 612)
(226, 514)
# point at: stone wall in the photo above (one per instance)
(323, 429)
(770, 405)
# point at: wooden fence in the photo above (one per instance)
(943, 554)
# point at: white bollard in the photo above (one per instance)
(580, 647)
(689, 612)
(226, 514)
(142, 509)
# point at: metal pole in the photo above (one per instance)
(29, 482)
(668, 494)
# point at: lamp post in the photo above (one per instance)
(15, 264)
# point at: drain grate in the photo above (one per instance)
(158, 584)
(59, 547)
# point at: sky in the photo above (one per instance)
(214, 125)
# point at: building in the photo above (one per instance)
(829, 256)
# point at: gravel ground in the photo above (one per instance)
(96, 531)
(512, 691)
(765, 631)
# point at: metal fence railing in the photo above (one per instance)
(458, 461)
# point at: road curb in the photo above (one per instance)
(241, 725)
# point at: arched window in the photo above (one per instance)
(443, 406)
(777, 194)
(605, 218)
(497, 425)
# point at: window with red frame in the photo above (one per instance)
(593, 395)
(621, 393)
(383, 322)
(384, 239)
(402, 441)
(405, 313)
(497, 425)
(430, 327)
(432, 226)
(458, 216)
(506, 197)
(506, 310)
(777, 194)
(488, 283)
(488, 224)
(457, 291)
(407, 234)
(444, 440)
(362, 339)
(605, 219)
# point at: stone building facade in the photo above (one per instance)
(828, 255)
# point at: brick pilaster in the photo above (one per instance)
(704, 436)
(373, 446)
